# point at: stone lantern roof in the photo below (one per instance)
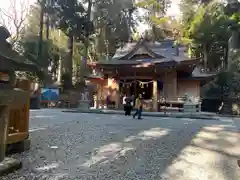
(10, 60)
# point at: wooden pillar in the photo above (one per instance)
(165, 85)
(155, 96)
(117, 100)
(101, 97)
(135, 85)
(3, 130)
(25, 85)
(165, 88)
(97, 96)
(174, 83)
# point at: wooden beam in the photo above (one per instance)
(137, 77)
(16, 137)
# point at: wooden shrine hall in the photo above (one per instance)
(162, 72)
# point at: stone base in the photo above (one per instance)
(191, 108)
(8, 165)
(83, 105)
(19, 147)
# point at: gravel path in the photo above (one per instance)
(113, 147)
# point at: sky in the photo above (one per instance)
(172, 11)
(6, 3)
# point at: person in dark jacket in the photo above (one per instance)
(128, 106)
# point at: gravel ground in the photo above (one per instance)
(113, 147)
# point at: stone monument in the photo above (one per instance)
(189, 105)
(84, 102)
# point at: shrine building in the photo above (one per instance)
(160, 71)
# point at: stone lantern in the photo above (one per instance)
(10, 61)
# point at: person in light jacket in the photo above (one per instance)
(139, 107)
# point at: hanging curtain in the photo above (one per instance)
(159, 85)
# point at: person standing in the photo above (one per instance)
(108, 101)
(138, 105)
(124, 102)
(124, 99)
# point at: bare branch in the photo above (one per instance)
(14, 18)
(2, 19)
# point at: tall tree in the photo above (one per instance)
(207, 30)
(40, 40)
(112, 25)
(51, 48)
(155, 16)
(88, 29)
(188, 9)
(73, 20)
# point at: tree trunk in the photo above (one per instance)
(47, 27)
(59, 74)
(48, 5)
(60, 61)
(40, 34)
(69, 61)
(40, 42)
(233, 44)
(205, 56)
(86, 44)
(154, 33)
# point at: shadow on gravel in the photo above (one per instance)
(224, 142)
(147, 154)
(170, 152)
(219, 147)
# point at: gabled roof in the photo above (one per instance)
(163, 53)
(136, 47)
(159, 52)
(161, 49)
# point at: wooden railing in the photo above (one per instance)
(168, 104)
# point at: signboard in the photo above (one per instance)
(49, 94)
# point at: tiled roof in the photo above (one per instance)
(136, 62)
(164, 49)
(123, 51)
